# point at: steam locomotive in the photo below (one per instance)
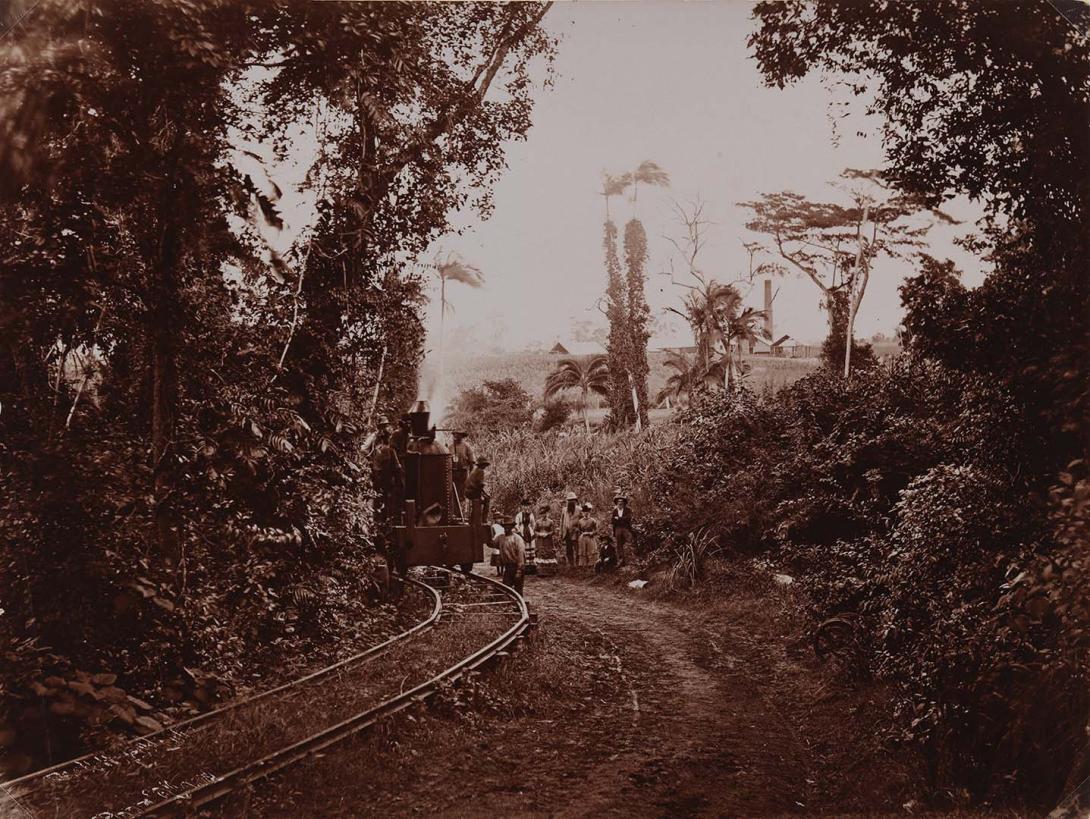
(434, 529)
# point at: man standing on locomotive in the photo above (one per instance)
(512, 555)
(382, 425)
(463, 462)
(399, 440)
(475, 484)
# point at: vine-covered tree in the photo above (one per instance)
(620, 403)
(635, 253)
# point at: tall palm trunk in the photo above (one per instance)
(635, 400)
(729, 385)
(586, 421)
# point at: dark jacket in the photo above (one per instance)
(386, 468)
(463, 455)
(475, 484)
(622, 519)
(400, 440)
(512, 550)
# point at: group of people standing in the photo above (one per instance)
(578, 540)
(587, 542)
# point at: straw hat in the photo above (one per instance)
(571, 496)
(588, 506)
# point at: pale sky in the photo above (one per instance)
(671, 82)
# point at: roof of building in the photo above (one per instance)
(767, 341)
(578, 348)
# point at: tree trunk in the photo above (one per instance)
(586, 421)
(849, 339)
(164, 376)
(635, 400)
(378, 383)
(853, 299)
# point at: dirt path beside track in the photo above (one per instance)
(624, 706)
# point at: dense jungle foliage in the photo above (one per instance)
(941, 502)
(181, 405)
(944, 499)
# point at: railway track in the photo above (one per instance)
(153, 780)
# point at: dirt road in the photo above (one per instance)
(623, 706)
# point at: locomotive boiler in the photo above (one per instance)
(435, 528)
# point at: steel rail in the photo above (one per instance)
(375, 651)
(203, 795)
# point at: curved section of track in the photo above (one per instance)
(211, 792)
(27, 785)
(177, 795)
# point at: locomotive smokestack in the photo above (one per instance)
(418, 418)
(768, 309)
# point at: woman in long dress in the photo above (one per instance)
(588, 537)
(544, 535)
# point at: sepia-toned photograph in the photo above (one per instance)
(589, 408)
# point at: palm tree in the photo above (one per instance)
(740, 328)
(453, 270)
(682, 380)
(649, 173)
(588, 377)
(715, 313)
(614, 186)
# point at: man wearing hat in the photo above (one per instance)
(622, 526)
(569, 527)
(382, 426)
(399, 440)
(512, 555)
(387, 477)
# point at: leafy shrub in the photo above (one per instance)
(554, 414)
(901, 496)
(493, 408)
(690, 558)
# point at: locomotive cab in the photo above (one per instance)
(434, 531)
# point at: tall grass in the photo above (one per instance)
(545, 466)
(531, 369)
